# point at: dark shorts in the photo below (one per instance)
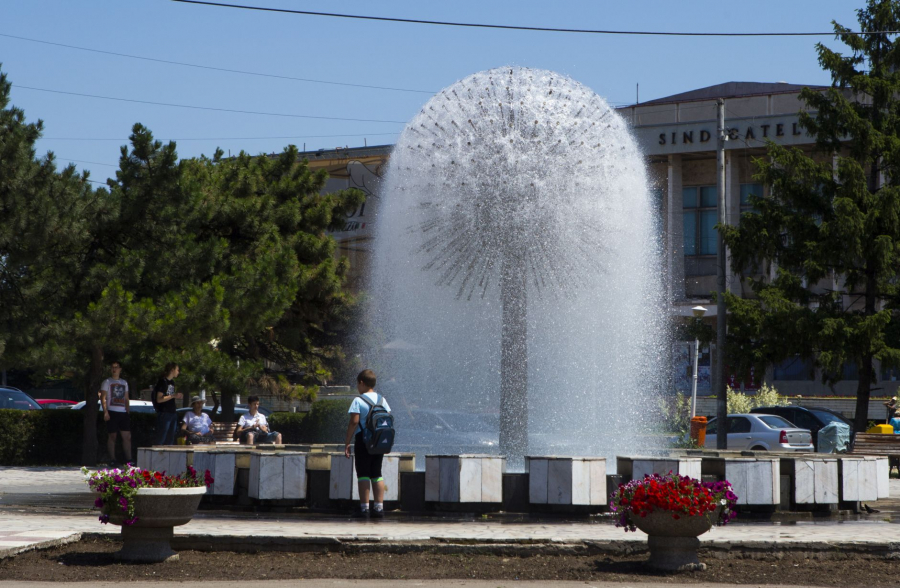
(118, 421)
(368, 466)
(200, 439)
(260, 437)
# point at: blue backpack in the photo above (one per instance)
(378, 432)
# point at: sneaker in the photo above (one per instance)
(377, 514)
(359, 513)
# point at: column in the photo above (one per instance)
(675, 230)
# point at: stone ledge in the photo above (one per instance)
(48, 544)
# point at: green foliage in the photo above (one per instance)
(740, 403)
(53, 437)
(675, 411)
(169, 256)
(290, 425)
(829, 221)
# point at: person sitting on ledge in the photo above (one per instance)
(895, 422)
(253, 428)
(196, 424)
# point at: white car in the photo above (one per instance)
(134, 406)
(761, 432)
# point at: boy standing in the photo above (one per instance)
(116, 412)
(368, 466)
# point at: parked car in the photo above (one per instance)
(134, 406)
(812, 418)
(760, 432)
(15, 399)
(55, 403)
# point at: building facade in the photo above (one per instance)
(678, 137)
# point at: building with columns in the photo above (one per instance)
(678, 137)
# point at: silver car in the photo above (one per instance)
(761, 432)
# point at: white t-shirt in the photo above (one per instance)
(197, 423)
(247, 420)
(359, 406)
(116, 394)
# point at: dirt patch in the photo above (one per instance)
(91, 560)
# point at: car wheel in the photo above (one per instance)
(758, 448)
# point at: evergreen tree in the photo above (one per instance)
(834, 215)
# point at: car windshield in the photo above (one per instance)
(776, 422)
(17, 400)
(828, 418)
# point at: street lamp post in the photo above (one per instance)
(698, 311)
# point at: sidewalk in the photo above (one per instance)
(22, 528)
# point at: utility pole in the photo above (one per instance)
(721, 256)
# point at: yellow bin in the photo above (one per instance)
(882, 430)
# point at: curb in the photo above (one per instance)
(13, 551)
(523, 548)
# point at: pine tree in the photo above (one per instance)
(834, 215)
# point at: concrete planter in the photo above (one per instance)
(158, 511)
(673, 542)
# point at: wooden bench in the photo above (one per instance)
(878, 444)
(224, 432)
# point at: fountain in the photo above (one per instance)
(516, 252)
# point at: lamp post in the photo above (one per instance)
(698, 312)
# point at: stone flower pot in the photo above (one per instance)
(673, 542)
(158, 511)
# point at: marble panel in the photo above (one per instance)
(294, 475)
(559, 481)
(469, 479)
(736, 472)
(868, 480)
(390, 470)
(883, 471)
(826, 490)
(266, 477)
(177, 462)
(222, 468)
(804, 481)
(537, 481)
(492, 469)
(581, 482)
(341, 479)
(691, 468)
(449, 476)
(764, 482)
(432, 479)
(850, 479)
(143, 458)
(599, 493)
(159, 461)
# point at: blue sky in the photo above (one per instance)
(372, 53)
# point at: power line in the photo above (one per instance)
(82, 161)
(223, 138)
(214, 68)
(523, 28)
(193, 107)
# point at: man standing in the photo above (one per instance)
(164, 397)
(253, 426)
(116, 412)
(368, 466)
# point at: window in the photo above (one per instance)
(711, 427)
(775, 422)
(700, 219)
(746, 191)
(805, 420)
(738, 425)
(795, 369)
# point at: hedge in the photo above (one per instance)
(54, 437)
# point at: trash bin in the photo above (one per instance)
(698, 430)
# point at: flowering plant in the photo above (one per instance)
(680, 495)
(117, 488)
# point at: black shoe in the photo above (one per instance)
(377, 514)
(359, 513)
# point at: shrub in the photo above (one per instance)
(739, 403)
(289, 424)
(326, 422)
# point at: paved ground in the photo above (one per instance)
(374, 584)
(22, 527)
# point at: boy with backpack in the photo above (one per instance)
(371, 428)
